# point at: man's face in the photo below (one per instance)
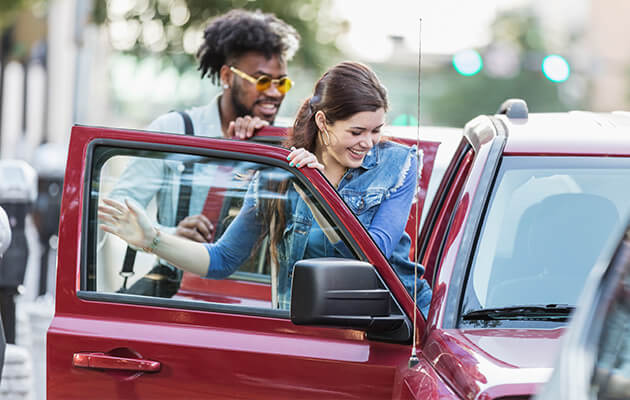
(246, 99)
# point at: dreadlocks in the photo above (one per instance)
(239, 31)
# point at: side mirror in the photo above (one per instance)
(5, 232)
(344, 293)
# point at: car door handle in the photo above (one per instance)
(103, 361)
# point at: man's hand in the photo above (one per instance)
(244, 127)
(195, 227)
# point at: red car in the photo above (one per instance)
(522, 210)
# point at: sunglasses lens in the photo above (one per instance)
(284, 85)
(263, 83)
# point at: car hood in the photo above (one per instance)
(492, 363)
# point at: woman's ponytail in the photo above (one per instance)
(305, 129)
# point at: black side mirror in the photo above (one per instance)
(343, 293)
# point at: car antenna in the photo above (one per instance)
(413, 359)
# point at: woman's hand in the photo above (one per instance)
(128, 221)
(304, 158)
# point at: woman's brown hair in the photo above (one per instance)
(345, 89)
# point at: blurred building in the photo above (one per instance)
(63, 73)
(607, 30)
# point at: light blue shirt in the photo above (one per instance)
(145, 179)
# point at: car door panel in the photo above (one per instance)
(202, 358)
(235, 350)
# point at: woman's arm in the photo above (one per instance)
(130, 222)
(391, 217)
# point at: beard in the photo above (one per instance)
(241, 109)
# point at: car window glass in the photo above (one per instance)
(220, 189)
(545, 225)
(611, 375)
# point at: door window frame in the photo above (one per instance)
(89, 226)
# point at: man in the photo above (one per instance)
(246, 53)
(240, 47)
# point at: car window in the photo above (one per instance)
(220, 189)
(546, 222)
(611, 376)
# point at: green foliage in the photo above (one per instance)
(520, 27)
(10, 9)
(454, 99)
(309, 17)
(472, 96)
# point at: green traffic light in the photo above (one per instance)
(556, 68)
(467, 62)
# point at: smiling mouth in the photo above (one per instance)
(356, 154)
(268, 108)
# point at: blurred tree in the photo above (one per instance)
(174, 27)
(512, 68)
(10, 10)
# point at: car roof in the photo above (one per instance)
(569, 133)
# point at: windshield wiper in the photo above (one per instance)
(556, 312)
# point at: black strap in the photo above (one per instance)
(130, 259)
(188, 125)
(183, 203)
(185, 182)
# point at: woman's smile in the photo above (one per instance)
(351, 139)
(357, 154)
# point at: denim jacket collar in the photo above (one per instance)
(372, 158)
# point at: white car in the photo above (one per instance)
(594, 361)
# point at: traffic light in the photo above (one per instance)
(467, 62)
(405, 120)
(556, 68)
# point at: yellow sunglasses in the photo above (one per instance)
(264, 82)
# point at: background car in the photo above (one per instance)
(594, 362)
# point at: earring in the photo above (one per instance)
(327, 136)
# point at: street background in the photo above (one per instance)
(121, 63)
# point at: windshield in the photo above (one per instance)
(546, 223)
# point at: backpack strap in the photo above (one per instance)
(183, 204)
(185, 183)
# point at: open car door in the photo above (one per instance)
(222, 338)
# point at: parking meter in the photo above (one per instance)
(18, 191)
(5, 241)
(49, 161)
(5, 232)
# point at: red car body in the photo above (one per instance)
(99, 346)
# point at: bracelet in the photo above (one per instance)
(154, 243)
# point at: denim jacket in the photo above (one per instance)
(364, 189)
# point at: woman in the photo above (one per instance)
(338, 131)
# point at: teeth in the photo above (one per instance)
(359, 153)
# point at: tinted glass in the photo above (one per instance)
(217, 189)
(611, 375)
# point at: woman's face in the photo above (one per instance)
(350, 140)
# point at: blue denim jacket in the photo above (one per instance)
(364, 189)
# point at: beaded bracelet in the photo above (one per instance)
(154, 243)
